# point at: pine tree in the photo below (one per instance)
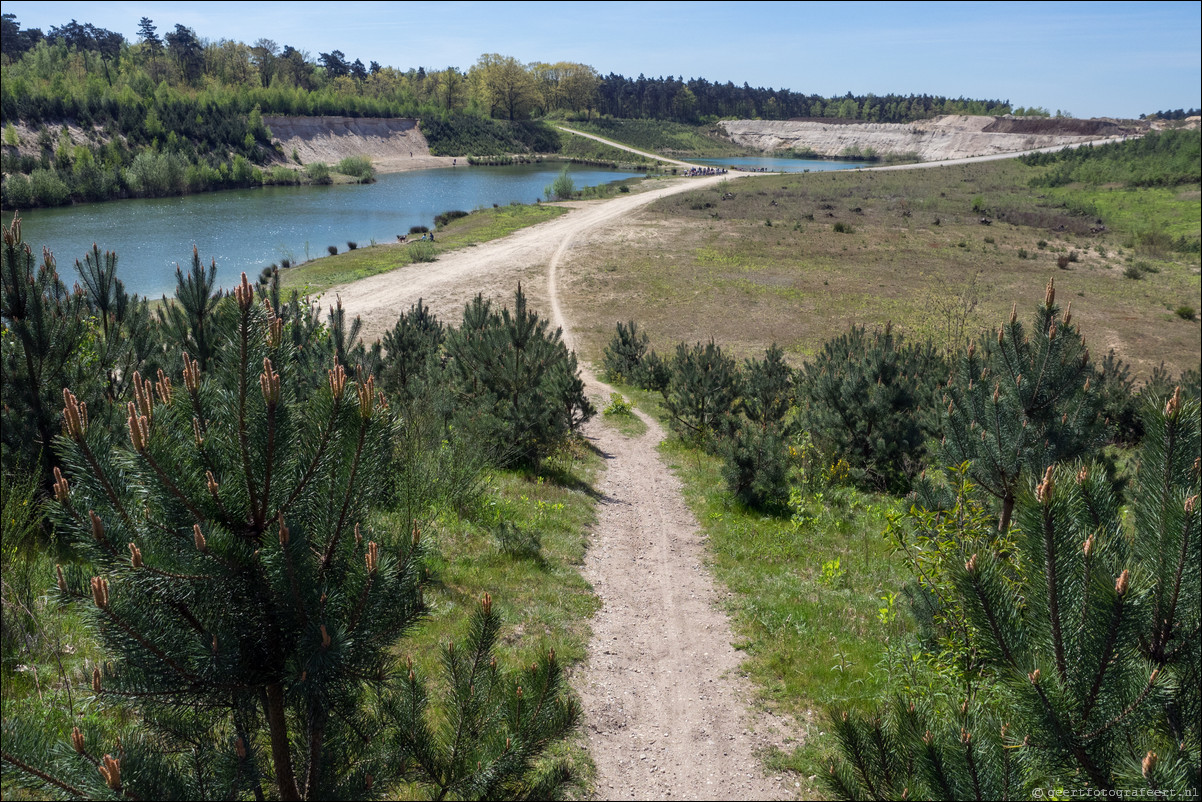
(46, 343)
(865, 400)
(701, 393)
(188, 324)
(409, 347)
(1022, 403)
(516, 377)
(623, 357)
(756, 459)
(1083, 644)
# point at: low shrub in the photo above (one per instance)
(350, 246)
(421, 251)
(1062, 261)
(318, 173)
(1133, 272)
(359, 167)
(418, 229)
(1186, 312)
(333, 249)
(1022, 253)
(446, 217)
(843, 228)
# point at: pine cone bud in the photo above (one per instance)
(1086, 386)
(164, 389)
(62, 491)
(972, 349)
(927, 738)
(139, 429)
(1085, 357)
(358, 537)
(971, 568)
(1000, 336)
(1049, 297)
(1174, 404)
(198, 539)
(1082, 475)
(1018, 380)
(367, 397)
(1068, 313)
(519, 692)
(135, 556)
(372, 557)
(1120, 584)
(284, 533)
(110, 770)
(965, 736)
(100, 592)
(417, 534)
(191, 374)
(62, 581)
(244, 294)
(74, 416)
(486, 604)
(143, 396)
(337, 378)
(196, 435)
(1191, 504)
(1034, 677)
(1052, 331)
(77, 740)
(240, 748)
(1088, 547)
(1043, 493)
(213, 646)
(1150, 761)
(325, 638)
(97, 526)
(269, 383)
(211, 484)
(95, 679)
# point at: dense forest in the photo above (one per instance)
(175, 113)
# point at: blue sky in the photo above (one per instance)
(1115, 59)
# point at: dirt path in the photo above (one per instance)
(665, 708)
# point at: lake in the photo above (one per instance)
(248, 229)
(773, 165)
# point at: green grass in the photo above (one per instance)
(479, 226)
(916, 251)
(544, 601)
(1175, 212)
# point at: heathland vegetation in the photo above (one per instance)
(89, 116)
(958, 541)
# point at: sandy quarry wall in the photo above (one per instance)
(331, 139)
(949, 137)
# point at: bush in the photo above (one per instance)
(318, 173)
(350, 246)
(1062, 261)
(333, 249)
(359, 167)
(618, 405)
(418, 229)
(1186, 312)
(1133, 272)
(843, 228)
(443, 219)
(562, 188)
(1022, 253)
(421, 251)
(701, 392)
(623, 357)
(867, 398)
(515, 380)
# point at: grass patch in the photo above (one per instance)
(479, 226)
(619, 414)
(702, 264)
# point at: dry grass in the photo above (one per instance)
(704, 264)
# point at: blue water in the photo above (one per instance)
(769, 164)
(246, 230)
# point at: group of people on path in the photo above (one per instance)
(705, 171)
